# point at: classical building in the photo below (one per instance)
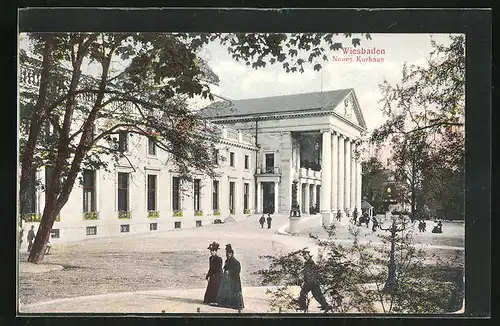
(308, 138)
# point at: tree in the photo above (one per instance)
(375, 177)
(429, 101)
(147, 97)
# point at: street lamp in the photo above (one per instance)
(390, 283)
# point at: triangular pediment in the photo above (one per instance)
(349, 109)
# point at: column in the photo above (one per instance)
(276, 203)
(347, 175)
(335, 162)
(326, 177)
(259, 207)
(313, 203)
(299, 195)
(354, 174)
(340, 182)
(359, 188)
(306, 197)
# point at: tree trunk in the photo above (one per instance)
(54, 203)
(52, 208)
(36, 121)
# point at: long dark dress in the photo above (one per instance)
(230, 294)
(214, 276)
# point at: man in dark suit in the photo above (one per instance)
(311, 284)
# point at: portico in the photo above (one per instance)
(308, 138)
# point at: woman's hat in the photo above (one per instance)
(229, 248)
(213, 246)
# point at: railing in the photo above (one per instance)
(247, 139)
(231, 134)
(268, 170)
(309, 173)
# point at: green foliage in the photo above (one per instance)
(124, 215)
(352, 276)
(428, 104)
(91, 215)
(178, 213)
(153, 214)
(248, 211)
(216, 212)
(198, 213)
(375, 178)
(32, 217)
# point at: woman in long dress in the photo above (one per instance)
(214, 274)
(230, 294)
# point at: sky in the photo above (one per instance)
(238, 81)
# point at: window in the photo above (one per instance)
(54, 233)
(151, 146)
(89, 191)
(151, 192)
(177, 225)
(269, 163)
(91, 230)
(198, 224)
(231, 197)
(215, 195)
(231, 159)
(123, 191)
(125, 228)
(247, 162)
(153, 226)
(123, 141)
(196, 195)
(176, 198)
(216, 156)
(246, 190)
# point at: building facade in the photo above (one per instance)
(311, 139)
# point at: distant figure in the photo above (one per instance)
(438, 227)
(355, 216)
(339, 215)
(421, 226)
(269, 220)
(48, 247)
(311, 284)
(214, 274)
(366, 219)
(31, 237)
(262, 220)
(375, 224)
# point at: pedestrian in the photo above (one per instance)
(440, 226)
(424, 226)
(31, 237)
(269, 220)
(214, 274)
(355, 216)
(262, 220)
(339, 215)
(375, 224)
(48, 247)
(230, 294)
(311, 284)
(367, 219)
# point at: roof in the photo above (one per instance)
(285, 103)
(365, 205)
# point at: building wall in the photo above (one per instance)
(72, 225)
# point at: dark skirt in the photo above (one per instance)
(212, 288)
(227, 296)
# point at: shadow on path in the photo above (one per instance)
(178, 299)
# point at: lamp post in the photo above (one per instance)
(390, 283)
(294, 211)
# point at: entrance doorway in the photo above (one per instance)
(268, 197)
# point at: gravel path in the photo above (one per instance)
(156, 261)
(176, 259)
